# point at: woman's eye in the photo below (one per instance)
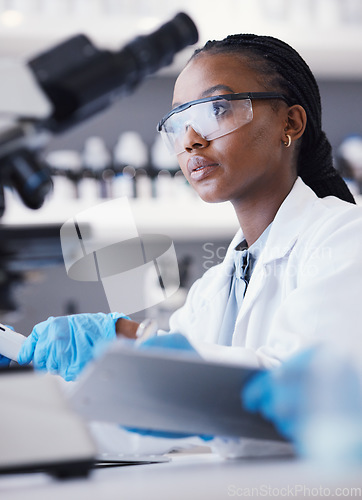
(219, 108)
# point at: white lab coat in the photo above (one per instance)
(306, 285)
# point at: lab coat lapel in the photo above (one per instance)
(282, 237)
(288, 222)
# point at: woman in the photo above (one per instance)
(246, 127)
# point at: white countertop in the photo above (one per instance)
(194, 477)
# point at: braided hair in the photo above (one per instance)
(280, 66)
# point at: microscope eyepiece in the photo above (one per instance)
(81, 80)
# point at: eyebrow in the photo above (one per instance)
(215, 88)
(210, 90)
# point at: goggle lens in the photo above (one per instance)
(211, 119)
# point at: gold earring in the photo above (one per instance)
(288, 142)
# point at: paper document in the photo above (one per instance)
(175, 392)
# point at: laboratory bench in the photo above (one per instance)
(194, 476)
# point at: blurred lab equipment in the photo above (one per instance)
(59, 89)
(72, 82)
(130, 160)
(128, 169)
(123, 182)
(38, 430)
(169, 181)
(131, 150)
(97, 162)
(161, 158)
(10, 342)
(349, 160)
(65, 167)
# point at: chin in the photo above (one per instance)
(212, 198)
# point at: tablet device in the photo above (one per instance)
(173, 391)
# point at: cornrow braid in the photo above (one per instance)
(283, 68)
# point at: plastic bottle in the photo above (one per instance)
(96, 161)
(165, 166)
(130, 152)
(66, 168)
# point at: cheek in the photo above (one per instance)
(236, 146)
(259, 142)
(268, 131)
(249, 151)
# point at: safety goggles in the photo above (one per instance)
(210, 117)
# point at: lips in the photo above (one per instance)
(200, 167)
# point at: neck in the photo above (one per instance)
(255, 214)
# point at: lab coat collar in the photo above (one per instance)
(289, 221)
(286, 226)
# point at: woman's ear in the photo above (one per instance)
(296, 122)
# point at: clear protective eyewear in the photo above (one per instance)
(210, 117)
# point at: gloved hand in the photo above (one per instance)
(307, 398)
(63, 345)
(281, 394)
(168, 342)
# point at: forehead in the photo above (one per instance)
(207, 71)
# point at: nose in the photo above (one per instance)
(194, 140)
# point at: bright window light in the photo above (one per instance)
(11, 18)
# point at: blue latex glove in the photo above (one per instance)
(308, 387)
(63, 345)
(280, 394)
(3, 360)
(174, 341)
(168, 342)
